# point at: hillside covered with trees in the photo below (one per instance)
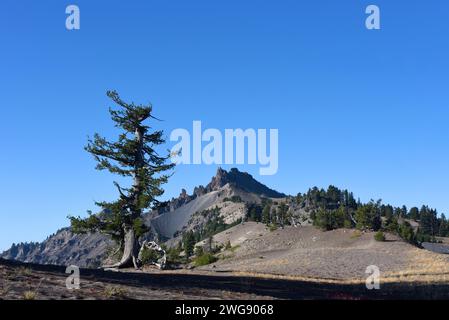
(334, 208)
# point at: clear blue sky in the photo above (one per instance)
(364, 110)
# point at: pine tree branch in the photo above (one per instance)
(120, 190)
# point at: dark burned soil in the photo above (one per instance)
(43, 282)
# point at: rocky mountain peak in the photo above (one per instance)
(241, 180)
(219, 180)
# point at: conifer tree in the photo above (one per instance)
(266, 214)
(133, 155)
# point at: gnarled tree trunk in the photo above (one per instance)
(130, 250)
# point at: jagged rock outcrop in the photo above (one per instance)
(22, 251)
(199, 191)
(243, 181)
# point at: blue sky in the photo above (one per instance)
(364, 110)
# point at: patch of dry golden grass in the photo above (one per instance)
(356, 234)
(425, 267)
(113, 292)
(29, 295)
(297, 278)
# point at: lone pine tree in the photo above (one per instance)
(132, 155)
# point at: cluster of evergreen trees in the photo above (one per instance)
(334, 208)
(271, 213)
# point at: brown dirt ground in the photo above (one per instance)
(341, 255)
(40, 282)
(293, 263)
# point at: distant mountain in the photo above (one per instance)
(243, 181)
(89, 250)
(62, 248)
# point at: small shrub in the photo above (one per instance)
(199, 251)
(149, 256)
(174, 256)
(379, 236)
(29, 295)
(407, 233)
(115, 292)
(228, 245)
(204, 259)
